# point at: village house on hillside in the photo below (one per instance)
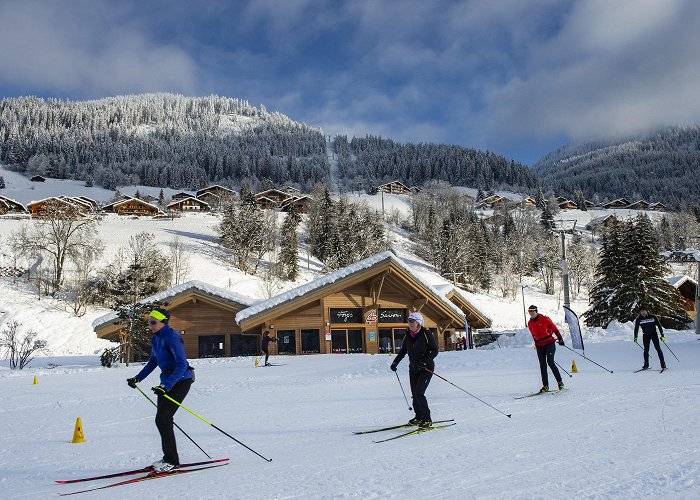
(182, 195)
(300, 204)
(10, 206)
(619, 203)
(188, 205)
(687, 287)
(568, 205)
(271, 198)
(492, 201)
(133, 206)
(53, 204)
(361, 308)
(38, 178)
(394, 187)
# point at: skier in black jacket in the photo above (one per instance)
(421, 347)
(649, 322)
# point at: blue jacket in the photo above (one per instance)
(168, 353)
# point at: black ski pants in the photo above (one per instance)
(546, 356)
(267, 353)
(647, 338)
(419, 383)
(164, 419)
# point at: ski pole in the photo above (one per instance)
(404, 393)
(638, 345)
(669, 350)
(149, 399)
(215, 427)
(563, 369)
(472, 395)
(589, 359)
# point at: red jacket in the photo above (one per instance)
(541, 328)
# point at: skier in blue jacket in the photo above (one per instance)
(176, 377)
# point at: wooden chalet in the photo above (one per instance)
(568, 205)
(560, 199)
(204, 316)
(360, 308)
(394, 187)
(476, 320)
(182, 196)
(491, 201)
(149, 198)
(602, 221)
(619, 203)
(271, 198)
(687, 287)
(10, 206)
(292, 190)
(38, 178)
(639, 205)
(85, 206)
(188, 205)
(300, 203)
(93, 203)
(528, 202)
(220, 191)
(212, 199)
(55, 204)
(657, 207)
(134, 206)
(588, 204)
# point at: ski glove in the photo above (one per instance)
(393, 367)
(132, 382)
(561, 342)
(159, 390)
(635, 340)
(663, 339)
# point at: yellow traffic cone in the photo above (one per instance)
(573, 366)
(78, 436)
(257, 361)
(36, 381)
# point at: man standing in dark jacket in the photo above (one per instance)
(649, 323)
(421, 347)
(265, 345)
(541, 328)
(176, 377)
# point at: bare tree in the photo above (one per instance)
(20, 349)
(179, 261)
(79, 290)
(60, 232)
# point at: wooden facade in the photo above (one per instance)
(395, 187)
(188, 205)
(639, 205)
(300, 203)
(134, 206)
(8, 206)
(220, 191)
(619, 203)
(359, 309)
(568, 205)
(55, 204)
(182, 196)
(687, 287)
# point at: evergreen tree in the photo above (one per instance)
(2, 182)
(604, 295)
(289, 245)
(547, 217)
(161, 197)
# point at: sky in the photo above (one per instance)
(517, 77)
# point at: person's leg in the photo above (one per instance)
(413, 378)
(542, 357)
(164, 420)
(551, 349)
(419, 399)
(657, 346)
(267, 354)
(646, 339)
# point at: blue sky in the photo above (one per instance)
(518, 77)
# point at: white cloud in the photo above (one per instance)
(86, 48)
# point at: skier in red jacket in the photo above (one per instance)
(541, 327)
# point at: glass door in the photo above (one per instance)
(310, 342)
(286, 342)
(211, 346)
(339, 341)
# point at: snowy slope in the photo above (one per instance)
(620, 435)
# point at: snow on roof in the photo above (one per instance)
(679, 280)
(176, 290)
(445, 289)
(183, 200)
(121, 202)
(331, 278)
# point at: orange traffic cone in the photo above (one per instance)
(78, 436)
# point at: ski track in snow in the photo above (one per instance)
(621, 435)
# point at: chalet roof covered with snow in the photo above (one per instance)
(206, 288)
(338, 276)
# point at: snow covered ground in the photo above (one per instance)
(620, 435)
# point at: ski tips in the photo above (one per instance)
(508, 415)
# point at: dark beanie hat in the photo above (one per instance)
(532, 308)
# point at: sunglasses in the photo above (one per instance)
(412, 321)
(152, 322)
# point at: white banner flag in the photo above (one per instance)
(574, 328)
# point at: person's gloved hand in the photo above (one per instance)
(422, 365)
(663, 339)
(393, 367)
(132, 382)
(635, 340)
(159, 390)
(561, 342)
